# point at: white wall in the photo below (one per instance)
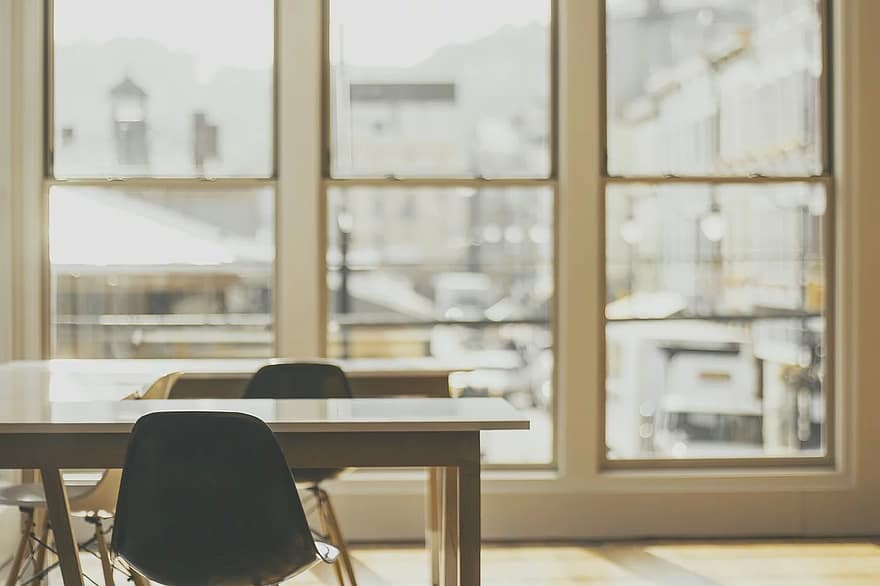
(5, 180)
(8, 515)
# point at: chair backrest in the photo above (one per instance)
(102, 495)
(161, 387)
(207, 498)
(298, 380)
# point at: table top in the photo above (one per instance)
(89, 380)
(283, 416)
(358, 366)
(84, 395)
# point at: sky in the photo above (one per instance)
(399, 33)
(217, 33)
(238, 33)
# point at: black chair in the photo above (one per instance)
(207, 498)
(309, 380)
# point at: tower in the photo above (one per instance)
(129, 107)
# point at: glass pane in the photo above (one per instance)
(161, 274)
(705, 87)
(715, 320)
(163, 88)
(462, 275)
(440, 87)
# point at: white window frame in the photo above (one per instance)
(580, 499)
(829, 231)
(180, 184)
(550, 183)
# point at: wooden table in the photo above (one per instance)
(39, 429)
(214, 378)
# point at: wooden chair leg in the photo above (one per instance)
(42, 524)
(340, 540)
(138, 578)
(27, 525)
(327, 528)
(104, 551)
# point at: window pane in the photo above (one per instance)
(163, 88)
(440, 87)
(715, 320)
(156, 274)
(725, 87)
(463, 275)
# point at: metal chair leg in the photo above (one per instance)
(327, 528)
(339, 539)
(27, 526)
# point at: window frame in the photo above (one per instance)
(826, 178)
(549, 182)
(155, 183)
(283, 303)
(579, 500)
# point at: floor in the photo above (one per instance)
(842, 563)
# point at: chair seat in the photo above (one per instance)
(32, 495)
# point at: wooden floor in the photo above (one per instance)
(642, 564)
(623, 564)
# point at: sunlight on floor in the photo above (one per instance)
(616, 564)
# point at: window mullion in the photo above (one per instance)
(717, 179)
(299, 261)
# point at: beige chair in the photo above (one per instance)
(96, 502)
(161, 389)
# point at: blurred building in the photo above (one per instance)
(722, 90)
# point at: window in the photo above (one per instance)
(136, 93)
(716, 230)
(440, 198)
(160, 262)
(461, 90)
(189, 273)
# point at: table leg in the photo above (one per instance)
(433, 522)
(59, 516)
(449, 527)
(469, 515)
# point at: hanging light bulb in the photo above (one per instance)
(712, 224)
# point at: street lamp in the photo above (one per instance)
(712, 224)
(344, 224)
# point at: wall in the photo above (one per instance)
(8, 516)
(5, 180)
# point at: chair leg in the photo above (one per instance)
(104, 551)
(339, 539)
(42, 524)
(27, 526)
(138, 578)
(327, 528)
